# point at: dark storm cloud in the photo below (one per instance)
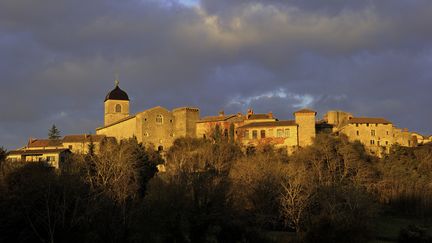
(59, 59)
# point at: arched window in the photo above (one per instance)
(159, 119)
(118, 108)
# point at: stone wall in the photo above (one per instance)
(306, 128)
(153, 131)
(122, 130)
(111, 115)
(287, 140)
(377, 138)
(185, 119)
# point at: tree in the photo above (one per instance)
(3, 154)
(231, 133)
(54, 133)
(217, 134)
(91, 147)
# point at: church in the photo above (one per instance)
(158, 125)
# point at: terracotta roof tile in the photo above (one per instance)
(216, 118)
(259, 116)
(368, 120)
(305, 111)
(44, 143)
(271, 124)
(36, 151)
(81, 138)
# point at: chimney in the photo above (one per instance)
(29, 141)
(239, 114)
(270, 115)
(221, 113)
(249, 112)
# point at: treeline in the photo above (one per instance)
(214, 191)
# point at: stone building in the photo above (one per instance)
(286, 134)
(157, 126)
(376, 134)
(55, 151)
(51, 156)
(79, 144)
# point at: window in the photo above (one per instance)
(118, 108)
(387, 132)
(70, 147)
(373, 133)
(246, 134)
(159, 119)
(378, 143)
(358, 133)
(254, 134)
(225, 132)
(372, 142)
(279, 133)
(367, 124)
(270, 133)
(287, 133)
(386, 142)
(263, 135)
(356, 124)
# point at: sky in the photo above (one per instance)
(59, 58)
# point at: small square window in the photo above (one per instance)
(279, 133)
(287, 133)
(254, 134)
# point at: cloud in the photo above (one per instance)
(367, 57)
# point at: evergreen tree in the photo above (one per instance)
(54, 133)
(3, 154)
(91, 147)
(217, 134)
(231, 133)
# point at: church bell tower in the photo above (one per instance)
(116, 105)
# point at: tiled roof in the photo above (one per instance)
(44, 143)
(368, 120)
(216, 118)
(82, 138)
(305, 111)
(259, 116)
(36, 151)
(271, 124)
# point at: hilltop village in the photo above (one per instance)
(160, 127)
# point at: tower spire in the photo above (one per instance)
(116, 80)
